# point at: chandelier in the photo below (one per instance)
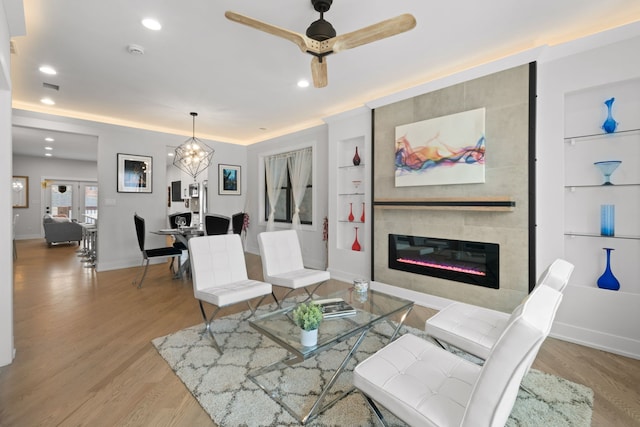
(193, 156)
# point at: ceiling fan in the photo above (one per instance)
(321, 39)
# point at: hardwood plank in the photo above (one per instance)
(84, 352)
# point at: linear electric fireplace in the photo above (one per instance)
(476, 263)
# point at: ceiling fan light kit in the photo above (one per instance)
(321, 40)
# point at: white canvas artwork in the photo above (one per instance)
(440, 151)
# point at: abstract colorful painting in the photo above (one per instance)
(440, 151)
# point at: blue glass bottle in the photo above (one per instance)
(608, 280)
(609, 125)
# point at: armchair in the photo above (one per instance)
(476, 329)
(282, 263)
(220, 276)
(426, 385)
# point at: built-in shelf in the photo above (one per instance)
(491, 204)
(579, 234)
(598, 185)
(361, 165)
(351, 194)
(581, 138)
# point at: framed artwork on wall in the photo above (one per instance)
(228, 179)
(20, 190)
(134, 173)
(441, 151)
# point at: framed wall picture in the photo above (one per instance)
(20, 190)
(228, 179)
(134, 173)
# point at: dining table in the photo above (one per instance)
(182, 234)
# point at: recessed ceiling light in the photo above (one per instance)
(48, 101)
(48, 70)
(48, 154)
(48, 148)
(49, 139)
(170, 154)
(151, 24)
(303, 83)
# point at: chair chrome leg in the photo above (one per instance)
(144, 273)
(207, 323)
(375, 410)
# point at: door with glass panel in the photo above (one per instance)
(72, 199)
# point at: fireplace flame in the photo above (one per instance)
(442, 266)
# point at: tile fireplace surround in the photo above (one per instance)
(506, 97)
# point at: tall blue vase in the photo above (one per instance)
(608, 280)
(609, 125)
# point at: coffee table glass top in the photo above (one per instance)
(371, 306)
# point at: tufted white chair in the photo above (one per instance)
(476, 329)
(282, 263)
(425, 385)
(220, 275)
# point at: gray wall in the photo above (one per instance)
(505, 96)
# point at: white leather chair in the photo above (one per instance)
(476, 329)
(220, 276)
(282, 263)
(425, 385)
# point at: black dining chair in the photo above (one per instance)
(236, 222)
(168, 251)
(173, 223)
(216, 224)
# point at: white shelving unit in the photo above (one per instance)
(584, 194)
(351, 205)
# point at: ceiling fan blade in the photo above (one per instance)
(319, 72)
(381, 30)
(299, 39)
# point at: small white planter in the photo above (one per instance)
(308, 338)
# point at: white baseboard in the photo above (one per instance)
(594, 339)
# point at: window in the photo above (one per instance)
(284, 207)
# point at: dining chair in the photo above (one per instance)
(282, 263)
(475, 329)
(425, 385)
(220, 276)
(237, 220)
(15, 249)
(216, 224)
(151, 253)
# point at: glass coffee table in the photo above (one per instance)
(372, 308)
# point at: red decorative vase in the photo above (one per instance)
(356, 245)
(362, 216)
(356, 158)
(351, 217)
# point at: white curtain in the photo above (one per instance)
(276, 171)
(299, 169)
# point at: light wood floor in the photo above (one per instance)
(84, 355)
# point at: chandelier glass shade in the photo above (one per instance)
(193, 156)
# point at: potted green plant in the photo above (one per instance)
(308, 317)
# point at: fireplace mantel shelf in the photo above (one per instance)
(492, 204)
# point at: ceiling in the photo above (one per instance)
(242, 82)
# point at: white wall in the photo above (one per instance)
(11, 24)
(313, 248)
(29, 225)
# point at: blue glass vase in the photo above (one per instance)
(607, 220)
(609, 125)
(608, 280)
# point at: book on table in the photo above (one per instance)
(335, 307)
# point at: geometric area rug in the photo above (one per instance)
(220, 383)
